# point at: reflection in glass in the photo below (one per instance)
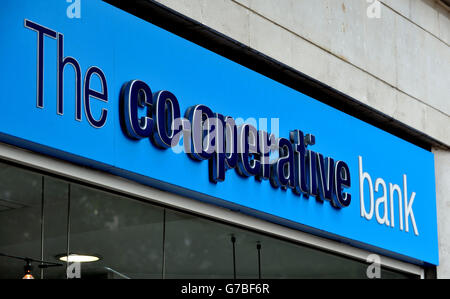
(196, 248)
(20, 219)
(125, 234)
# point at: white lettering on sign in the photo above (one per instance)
(380, 206)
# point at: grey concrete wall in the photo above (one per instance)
(442, 162)
(398, 63)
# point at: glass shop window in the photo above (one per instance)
(46, 221)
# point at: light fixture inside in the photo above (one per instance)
(28, 268)
(78, 258)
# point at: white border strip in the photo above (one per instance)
(115, 183)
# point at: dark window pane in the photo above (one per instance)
(135, 239)
(197, 248)
(125, 233)
(20, 219)
(55, 225)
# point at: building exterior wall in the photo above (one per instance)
(395, 60)
(442, 162)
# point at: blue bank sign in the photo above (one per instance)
(110, 91)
